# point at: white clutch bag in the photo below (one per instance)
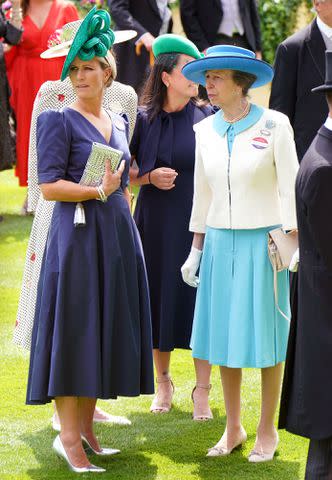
(281, 248)
(94, 171)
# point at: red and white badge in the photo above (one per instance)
(260, 143)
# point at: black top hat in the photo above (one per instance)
(328, 74)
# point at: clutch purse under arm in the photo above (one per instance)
(281, 248)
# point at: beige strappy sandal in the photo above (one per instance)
(164, 406)
(200, 415)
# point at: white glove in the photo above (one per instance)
(294, 263)
(190, 267)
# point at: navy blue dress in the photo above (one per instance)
(162, 218)
(92, 327)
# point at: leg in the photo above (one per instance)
(99, 416)
(319, 462)
(200, 393)
(234, 433)
(267, 436)
(86, 408)
(163, 399)
(69, 414)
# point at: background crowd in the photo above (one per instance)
(161, 161)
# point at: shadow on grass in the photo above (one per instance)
(172, 445)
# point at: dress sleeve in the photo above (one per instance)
(202, 194)
(53, 147)
(287, 166)
(135, 140)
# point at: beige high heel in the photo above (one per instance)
(201, 416)
(159, 406)
(259, 456)
(221, 451)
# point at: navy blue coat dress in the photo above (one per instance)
(162, 218)
(92, 327)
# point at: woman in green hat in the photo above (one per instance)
(92, 334)
(163, 146)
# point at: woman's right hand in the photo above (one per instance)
(163, 178)
(112, 181)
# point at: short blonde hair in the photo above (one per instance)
(109, 61)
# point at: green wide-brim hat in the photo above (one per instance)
(94, 38)
(171, 43)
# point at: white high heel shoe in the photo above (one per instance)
(223, 451)
(259, 456)
(103, 451)
(61, 452)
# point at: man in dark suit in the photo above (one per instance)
(299, 66)
(307, 390)
(232, 22)
(149, 18)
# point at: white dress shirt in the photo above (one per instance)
(231, 20)
(328, 123)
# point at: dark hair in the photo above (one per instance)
(24, 6)
(155, 91)
(243, 80)
(328, 94)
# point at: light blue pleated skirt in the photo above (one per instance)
(236, 322)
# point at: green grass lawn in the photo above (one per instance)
(160, 447)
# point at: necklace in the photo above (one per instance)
(239, 117)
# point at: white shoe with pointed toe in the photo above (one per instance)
(103, 452)
(259, 456)
(61, 452)
(221, 451)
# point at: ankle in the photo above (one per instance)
(164, 378)
(203, 386)
(234, 429)
(267, 431)
(69, 439)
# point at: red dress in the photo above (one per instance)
(27, 72)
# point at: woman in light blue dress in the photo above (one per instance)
(244, 187)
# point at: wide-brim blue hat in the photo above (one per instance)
(94, 38)
(229, 57)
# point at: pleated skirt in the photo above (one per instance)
(236, 321)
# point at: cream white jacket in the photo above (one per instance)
(255, 186)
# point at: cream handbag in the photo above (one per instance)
(281, 248)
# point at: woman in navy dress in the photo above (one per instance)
(163, 146)
(92, 330)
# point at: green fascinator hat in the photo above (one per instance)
(170, 43)
(94, 38)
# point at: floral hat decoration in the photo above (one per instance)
(93, 38)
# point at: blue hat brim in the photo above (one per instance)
(196, 70)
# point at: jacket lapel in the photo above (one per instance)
(316, 47)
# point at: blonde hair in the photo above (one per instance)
(109, 61)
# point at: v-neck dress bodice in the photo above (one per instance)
(92, 327)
